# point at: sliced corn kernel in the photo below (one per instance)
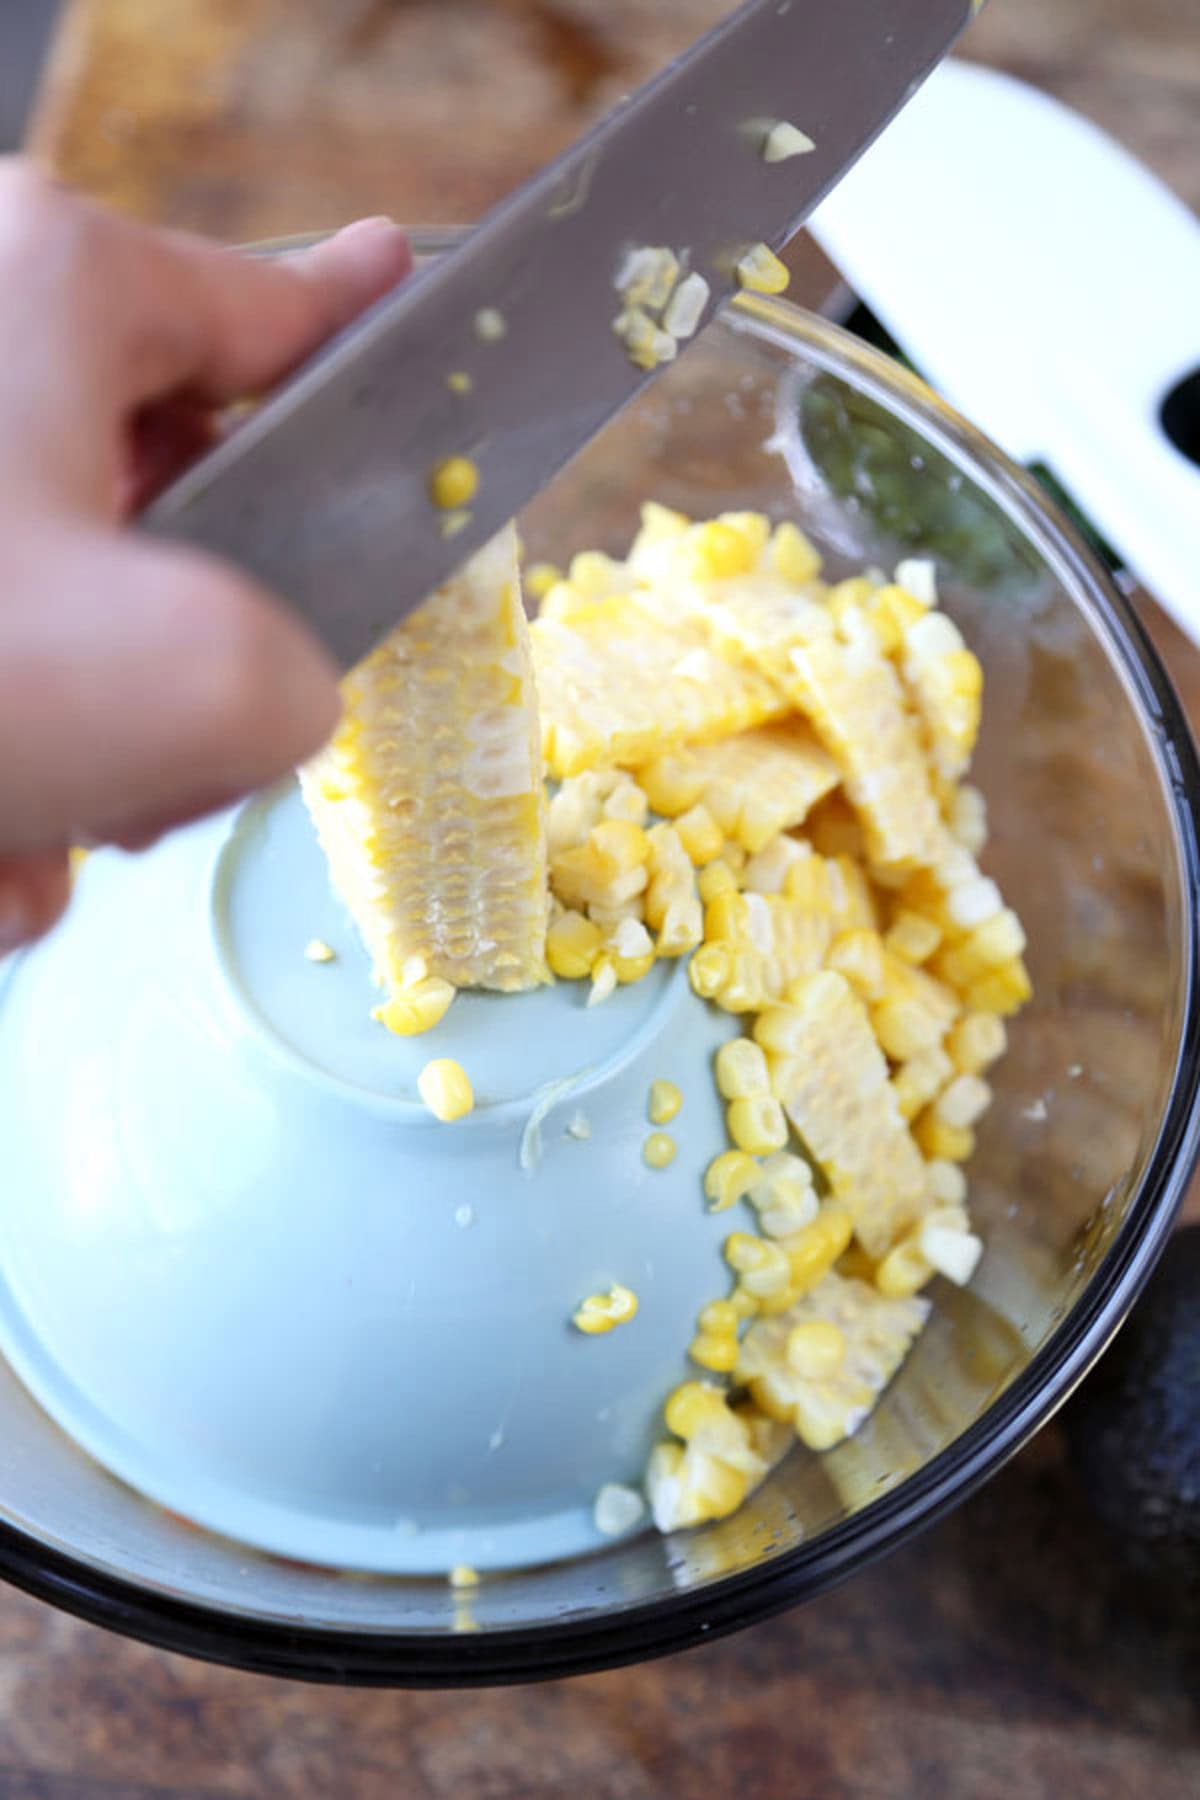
(700, 835)
(963, 1102)
(412, 1010)
(793, 556)
(462, 1575)
(757, 1124)
(602, 1312)
(604, 979)
(682, 927)
(785, 140)
(727, 918)
(673, 784)
(685, 308)
(858, 955)
(954, 1254)
(783, 1195)
(903, 1271)
(572, 945)
(975, 1041)
(665, 1102)
(815, 1349)
(718, 878)
(708, 970)
(967, 819)
(947, 1183)
(1004, 990)
(617, 1509)
(812, 1252)
(742, 1071)
(942, 1142)
(714, 1351)
(318, 951)
(920, 1080)
(453, 483)
(912, 937)
(459, 382)
(761, 271)
(446, 1089)
(728, 1179)
(719, 1317)
(659, 1150)
(762, 1266)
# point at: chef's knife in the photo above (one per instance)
(503, 350)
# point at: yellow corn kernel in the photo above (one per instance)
(462, 1575)
(920, 1080)
(417, 1008)
(757, 1124)
(718, 878)
(947, 1183)
(540, 579)
(673, 784)
(905, 1028)
(783, 1195)
(1003, 990)
(719, 549)
(720, 1317)
(700, 835)
(744, 988)
(903, 1271)
(716, 1351)
(691, 1407)
(727, 918)
(814, 1250)
(963, 1102)
(659, 1150)
(912, 937)
(728, 1179)
(761, 271)
(572, 945)
(626, 801)
(445, 1088)
(453, 483)
(664, 1103)
(975, 1041)
(858, 955)
(604, 979)
(762, 1266)
(459, 382)
(815, 1349)
(949, 1246)
(945, 1143)
(316, 949)
(855, 1265)
(966, 816)
(742, 1071)
(625, 843)
(601, 1312)
(708, 970)
(793, 556)
(682, 927)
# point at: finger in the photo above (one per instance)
(160, 682)
(34, 891)
(223, 324)
(163, 440)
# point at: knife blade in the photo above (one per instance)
(323, 491)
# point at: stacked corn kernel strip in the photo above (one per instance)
(801, 747)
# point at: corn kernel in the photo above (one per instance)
(604, 979)
(905, 1028)
(757, 1124)
(445, 1088)
(941, 1142)
(919, 1080)
(628, 802)
(815, 1350)
(719, 550)
(490, 324)
(762, 1266)
(664, 1103)
(691, 1406)
(720, 1318)
(700, 835)
(708, 970)
(617, 1509)
(964, 1102)
(814, 1250)
(1003, 990)
(453, 482)
(761, 271)
(858, 955)
(459, 382)
(742, 1071)
(540, 579)
(714, 1351)
(318, 951)
(975, 1041)
(659, 1150)
(947, 1183)
(904, 1271)
(783, 1195)
(417, 1008)
(954, 1254)
(717, 879)
(621, 841)
(601, 1312)
(673, 784)
(729, 1178)
(726, 918)
(785, 140)
(912, 937)
(794, 557)
(462, 1575)
(682, 927)
(572, 945)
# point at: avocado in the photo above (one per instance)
(1134, 1427)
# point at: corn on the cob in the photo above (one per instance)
(621, 687)
(826, 1397)
(832, 1079)
(429, 801)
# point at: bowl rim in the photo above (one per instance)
(554, 1650)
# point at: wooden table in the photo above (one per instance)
(1001, 1655)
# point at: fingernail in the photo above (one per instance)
(16, 920)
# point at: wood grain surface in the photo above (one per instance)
(1003, 1654)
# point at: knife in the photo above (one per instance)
(323, 491)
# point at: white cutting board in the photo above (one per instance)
(1049, 286)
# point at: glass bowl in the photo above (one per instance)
(1091, 782)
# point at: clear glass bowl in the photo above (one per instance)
(1091, 781)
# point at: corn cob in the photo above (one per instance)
(619, 687)
(428, 800)
(832, 1080)
(824, 1384)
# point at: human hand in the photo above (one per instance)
(140, 683)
